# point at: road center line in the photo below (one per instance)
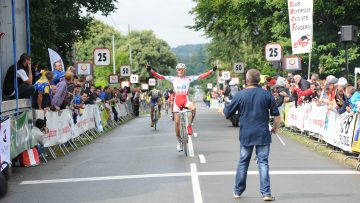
(164, 175)
(191, 148)
(202, 159)
(195, 184)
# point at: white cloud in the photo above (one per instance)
(167, 18)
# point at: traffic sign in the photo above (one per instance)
(273, 52)
(125, 70)
(101, 56)
(152, 82)
(83, 68)
(292, 63)
(113, 79)
(209, 86)
(134, 78)
(239, 67)
(236, 80)
(221, 80)
(144, 86)
(225, 75)
(357, 70)
(125, 84)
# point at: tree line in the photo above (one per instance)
(240, 29)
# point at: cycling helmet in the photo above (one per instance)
(180, 66)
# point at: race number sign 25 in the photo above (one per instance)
(273, 52)
(101, 56)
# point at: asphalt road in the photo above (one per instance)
(134, 164)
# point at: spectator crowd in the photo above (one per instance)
(335, 93)
(57, 89)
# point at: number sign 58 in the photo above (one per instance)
(125, 70)
(273, 52)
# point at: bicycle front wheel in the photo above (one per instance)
(155, 119)
(184, 136)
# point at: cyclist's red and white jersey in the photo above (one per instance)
(181, 84)
(181, 87)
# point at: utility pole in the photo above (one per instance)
(217, 74)
(113, 50)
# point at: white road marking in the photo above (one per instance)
(215, 173)
(164, 175)
(190, 147)
(202, 159)
(195, 134)
(280, 139)
(195, 184)
(104, 178)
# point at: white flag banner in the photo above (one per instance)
(301, 25)
(55, 57)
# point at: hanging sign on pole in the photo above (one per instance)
(273, 52)
(101, 56)
(125, 70)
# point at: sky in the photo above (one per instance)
(167, 18)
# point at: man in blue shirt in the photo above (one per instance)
(254, 105)
(58, 72)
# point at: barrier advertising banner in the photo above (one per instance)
(86, 120)
(345, 127)
(296, 117)
(97, 117)
(356, 143)
(59, 125)
(330, 128)
(5, 142)
(21, 137)
(317, 119)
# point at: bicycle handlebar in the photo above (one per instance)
(183, 111)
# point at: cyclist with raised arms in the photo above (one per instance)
(181, 85)
(155, 99)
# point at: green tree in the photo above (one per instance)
(241, 28)
(59, 24)
(145, 48)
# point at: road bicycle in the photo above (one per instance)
(183, 114)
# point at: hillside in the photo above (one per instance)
(194, 56)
